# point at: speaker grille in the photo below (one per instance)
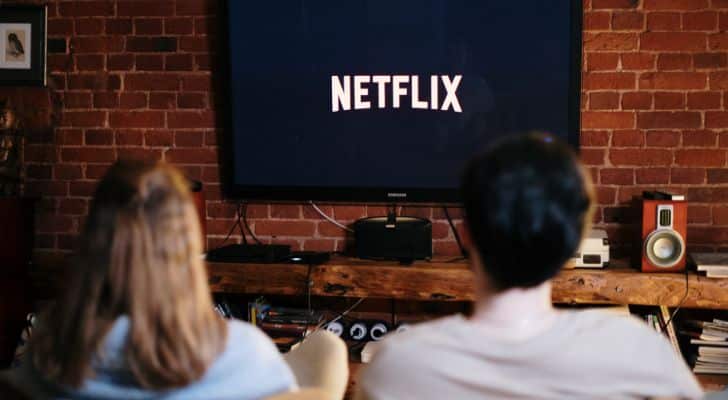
(664, 247)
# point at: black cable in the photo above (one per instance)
(245, 221)
(685, 297)
(232, 229)
(455, 232)
(240, 224)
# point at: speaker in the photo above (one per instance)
(664, 234)
(393, 238)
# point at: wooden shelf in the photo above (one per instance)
(453, 281)
(438, 280)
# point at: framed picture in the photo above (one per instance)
(22, 45)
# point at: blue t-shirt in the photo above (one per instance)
(250, 367)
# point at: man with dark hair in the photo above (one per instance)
(527, 204)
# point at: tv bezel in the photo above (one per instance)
(383, 195)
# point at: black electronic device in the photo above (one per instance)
(404, 239)
(250, 253)
(309, 257)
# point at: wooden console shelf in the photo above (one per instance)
(438, 280)
(452, 281)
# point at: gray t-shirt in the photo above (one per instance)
(250, 367)
(583, 355)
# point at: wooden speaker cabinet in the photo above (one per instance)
(664, 235)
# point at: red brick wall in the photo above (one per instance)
(135, 81)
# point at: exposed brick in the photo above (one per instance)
(636, 101)
(719, 80)
(700, 157)
(158, 138)
(674, 61)
(191, 119)
(136, 119)
(669, 101)
(191, 100)
(616, 176)
(120, 62)
(106, 100)
(699, 138)
(149, 62)
(675, 4)
(178, 62)
(129, 100)
(628, 21)
(188, 138)
(89, 26)
(663, 21)
(693, 176)
(134, 8)
(86, 8)
(638, 61)
(700, 21)
(628, 138)
(604, 101)
(640, 157)
(597, 4)
(594, 138)
(83, 118)
(128, 137)
(607, 120)
(718, 41)
(717, 175)
(97, 44)
(673, 80)
(716, 119)
(646, 176)
(673, 41)
(704, 100)
(602, 61)
(709, 60)
(699, 214)
(118, 26)
(666, 119)
(196, 7)
(178, 26)
(162, 100)
(87, 154)
(99, 137)
(152, 81)
(151, 44)
(148, 26)
(663, 138)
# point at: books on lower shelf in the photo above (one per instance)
(709, 340)
(715, 265)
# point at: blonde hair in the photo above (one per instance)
(140, 257)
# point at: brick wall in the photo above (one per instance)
(133, 79)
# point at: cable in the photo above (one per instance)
(237, 223)
(685, 297)
(326, 217)
(455, 232)
(245, 221)
(343, 314)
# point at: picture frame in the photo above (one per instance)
(23, 45)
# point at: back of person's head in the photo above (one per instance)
(527, 203)
(140, 257)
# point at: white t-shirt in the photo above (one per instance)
(583, 355)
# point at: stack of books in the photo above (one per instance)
(710, 344)
(715, 265)
(286, 326)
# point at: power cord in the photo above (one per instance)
(677, 308)
(455, 232)
(245, 222)
(236, 224)
(330, 219)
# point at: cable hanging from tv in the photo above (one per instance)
(330, 219)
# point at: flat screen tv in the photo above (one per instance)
(385, 100)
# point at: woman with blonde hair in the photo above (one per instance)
(137, 320)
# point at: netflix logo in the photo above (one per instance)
(392, 92)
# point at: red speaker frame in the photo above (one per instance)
(649, 225)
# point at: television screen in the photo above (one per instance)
(381, 100)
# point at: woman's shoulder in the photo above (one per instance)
(247, 340)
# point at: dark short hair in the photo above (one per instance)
(527, 202)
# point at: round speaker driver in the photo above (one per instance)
(664, 248)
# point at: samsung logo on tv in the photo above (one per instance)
(390, 91)
(400, 195)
